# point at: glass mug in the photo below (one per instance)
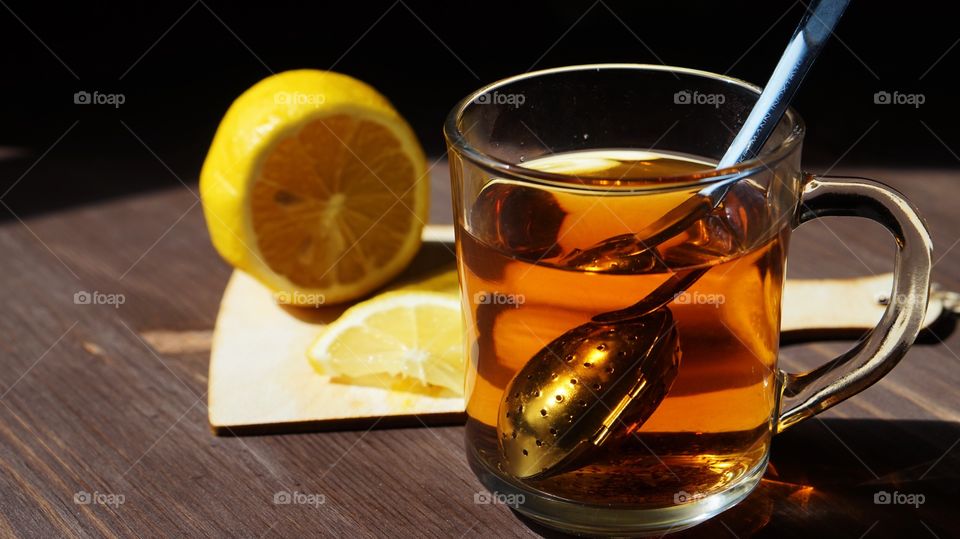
(599, 419)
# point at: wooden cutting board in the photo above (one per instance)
(261, 382)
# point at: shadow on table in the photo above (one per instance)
(827, 478)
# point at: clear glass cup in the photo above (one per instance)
(559, 178)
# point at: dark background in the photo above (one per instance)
(179, 65)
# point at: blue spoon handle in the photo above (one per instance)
(807, 42)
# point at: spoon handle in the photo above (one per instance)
(807, 42)
(675, 285)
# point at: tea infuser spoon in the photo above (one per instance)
(549, 421)
(807, 42)
(625, 361)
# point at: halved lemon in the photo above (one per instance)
(316, 186)
(405, 334)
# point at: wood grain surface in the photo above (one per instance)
(103, 423)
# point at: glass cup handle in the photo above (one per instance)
(803, 395)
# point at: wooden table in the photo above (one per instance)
(106, 403)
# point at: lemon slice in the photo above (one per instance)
(407, 334)
(316, 186)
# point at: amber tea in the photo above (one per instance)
(522, 290)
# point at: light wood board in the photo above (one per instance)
(261, 381)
